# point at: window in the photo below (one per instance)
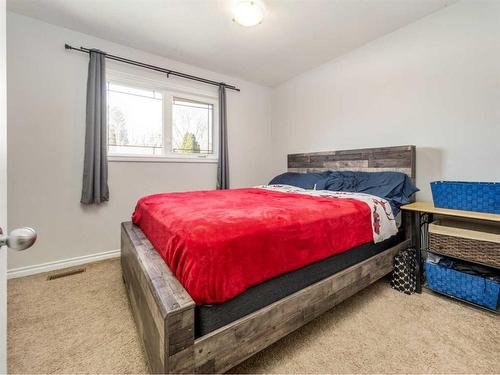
(191, 126)
(148, 121)
(135, 121)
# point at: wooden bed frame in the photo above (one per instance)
(164, 311)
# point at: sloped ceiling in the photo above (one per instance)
(295, 35)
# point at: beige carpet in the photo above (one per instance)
(82, 323)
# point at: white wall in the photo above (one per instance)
(46, 127)
(434, 83)
(3, 191)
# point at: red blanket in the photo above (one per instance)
(220, 243)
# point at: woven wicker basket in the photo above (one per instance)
(466, 241)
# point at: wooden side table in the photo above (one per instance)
(421, 214)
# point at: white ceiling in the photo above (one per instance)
(295, 35)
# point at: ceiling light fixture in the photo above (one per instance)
(248, 13)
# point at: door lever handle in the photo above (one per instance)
(18, 239)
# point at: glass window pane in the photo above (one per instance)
(192, 127)
(135, 121)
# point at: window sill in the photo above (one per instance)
(161, 159)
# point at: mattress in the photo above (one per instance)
(220, 243)
(210, 317)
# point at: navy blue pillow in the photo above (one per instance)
(341, 181)
(302, 180)
(396, 187)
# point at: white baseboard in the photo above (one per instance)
(59, 264)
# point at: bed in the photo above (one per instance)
(181, 336)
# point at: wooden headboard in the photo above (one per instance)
(399, 159)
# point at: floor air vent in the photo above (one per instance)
(65, 273)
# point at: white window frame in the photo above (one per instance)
(169, 90)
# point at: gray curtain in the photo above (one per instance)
(95, 169)
(223, 165)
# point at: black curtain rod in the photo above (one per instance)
(168, 72)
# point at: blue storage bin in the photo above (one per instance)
(472, 288)
(467, 196)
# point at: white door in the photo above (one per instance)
(18, 239)
(3, 190)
